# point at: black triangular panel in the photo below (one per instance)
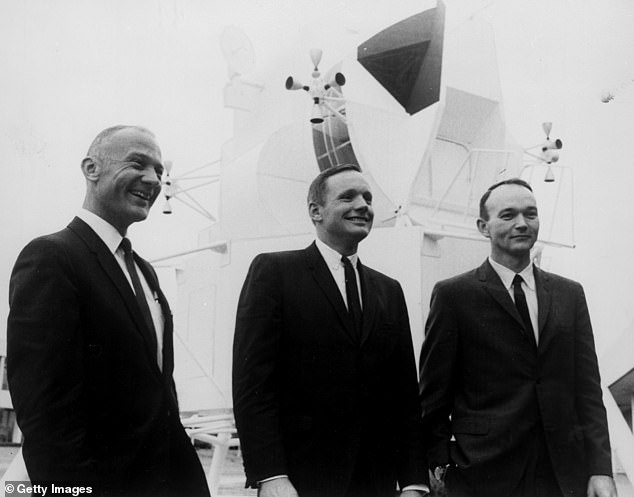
(406, 58)
(397, 70)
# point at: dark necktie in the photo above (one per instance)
(522, 307)
(138, 291)
(352, 295)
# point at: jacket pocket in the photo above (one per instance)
(470, 426)
(295, 424)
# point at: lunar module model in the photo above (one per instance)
(418, 108)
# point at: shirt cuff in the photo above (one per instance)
(276, 477)
(419, 487)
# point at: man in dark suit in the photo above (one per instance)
(90, 348)
(509, 383)
(324, 378)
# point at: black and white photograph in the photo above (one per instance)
(344, 248)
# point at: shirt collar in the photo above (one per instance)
(332, 257)
(507, 275)
(108, 233)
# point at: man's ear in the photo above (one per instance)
(90, 169)
(314, 211)
(483, 227)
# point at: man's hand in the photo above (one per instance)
(601, 486)
(279, 487)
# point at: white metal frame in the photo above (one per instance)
(218, 430)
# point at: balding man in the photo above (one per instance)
(90, 354)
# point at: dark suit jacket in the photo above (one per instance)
(308, 396)
(89, 397)
(480, 366)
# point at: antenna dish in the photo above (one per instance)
(237, 50)
(547, 127)
(315, 56)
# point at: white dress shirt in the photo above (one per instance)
(528, 285)
(333, 261)
(112, 238)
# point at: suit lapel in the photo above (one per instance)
(168, 336)
(112, 269)
(369, 301)
(544, 299)
(326, 282)
(494, 286)
(168, 323)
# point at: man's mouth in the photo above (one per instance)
(142, 195)
(358, 219)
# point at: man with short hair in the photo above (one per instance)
(509, 382)
(89, 340)
(324, 377)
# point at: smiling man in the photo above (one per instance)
(324, 377)
(509, 383)
(90, 348)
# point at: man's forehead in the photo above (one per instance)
(346, 179)
(511, 194)
(131, 139)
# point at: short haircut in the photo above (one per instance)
(105, 135)
(484, 213)
(317, 189)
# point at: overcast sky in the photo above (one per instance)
(70, 68)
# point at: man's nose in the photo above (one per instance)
(360, 203)
(150, 176)
(520, 222)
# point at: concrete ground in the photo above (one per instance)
(232, 481)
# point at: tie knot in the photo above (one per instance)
(517, 281)
(126, 246)
(345, 261)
